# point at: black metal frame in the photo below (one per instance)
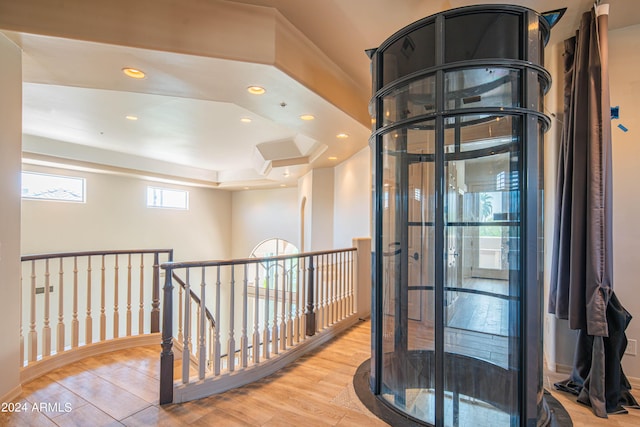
(528, 326)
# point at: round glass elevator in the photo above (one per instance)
(457, 267)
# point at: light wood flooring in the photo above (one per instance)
(121, 389)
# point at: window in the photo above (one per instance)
(167, 198)
(42, 186)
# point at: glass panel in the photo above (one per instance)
(482, 87)
(414, 52)
(408, 272)
(415, 99)
(480, 131)
(481, 36)
(481, 289)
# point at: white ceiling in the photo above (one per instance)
(189, 106)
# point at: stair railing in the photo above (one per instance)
(82, 299)
(265, 312)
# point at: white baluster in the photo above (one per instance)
(116, 313)
(231, 345)
(340, 285)
(75, 324)
(256, 316)
(334, 289)
(103, 314)
(266, 335)
(129, 320)
(290, 315)
(244, 340)
(216, 360)
(88, 333)
(275, 330)
(141, 307)
(283, 308)
(302, 299)
(322, 284)
(60, 329)
(352, 281)
(202, 348)
(21, 331)
(46, 329)
(33, 334)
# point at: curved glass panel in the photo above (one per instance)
(482, 87)
(413, 52)
(480, 131)
(482, 36)
(415, 99)
(407, 271)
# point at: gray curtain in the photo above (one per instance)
(582, 269)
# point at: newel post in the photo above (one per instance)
(363, 277)
(309, 313)
(166, 357)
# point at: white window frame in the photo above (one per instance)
(162, 203)
(56, 182)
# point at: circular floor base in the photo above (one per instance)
(560, 417)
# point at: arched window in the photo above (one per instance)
(276, 282)
(273, 247)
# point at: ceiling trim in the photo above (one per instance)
(214, 29)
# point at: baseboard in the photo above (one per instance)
(563, 369)
(50, 363)
(11, 395)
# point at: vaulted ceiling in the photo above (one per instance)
(191, 119)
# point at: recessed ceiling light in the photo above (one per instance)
(332, 158)
(246, 188)
(132, 118)
(283, 185)
(245, 120)
(307, 117)
(342, 136)
(256, 90)
(134, 73)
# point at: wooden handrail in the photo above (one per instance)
(242, 261)
(36, 257)
(194, 297)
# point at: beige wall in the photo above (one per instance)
(624, 54)
(10, 147)
(263, 214)
(559, 340)
(115, 216)
(316, 189)
(352, 199)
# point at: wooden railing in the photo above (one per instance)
(263, 312)
(76, 300)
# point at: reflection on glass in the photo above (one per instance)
(482, 87)
(414, 99)
(479, 131)
(412, 52)
(408, 271)
(481, 298)
(482, 35)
